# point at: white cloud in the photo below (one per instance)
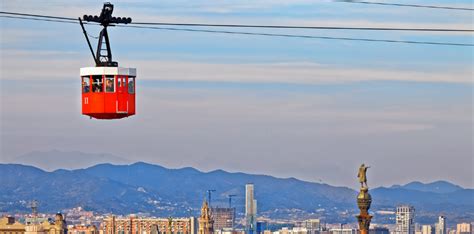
(44, 65)
(299, 73)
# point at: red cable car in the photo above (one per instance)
(108, 91)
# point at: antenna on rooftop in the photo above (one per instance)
(34, 210)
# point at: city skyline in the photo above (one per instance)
(152, 189)
(78, 219)
(84, 221)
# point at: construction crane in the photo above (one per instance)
(230, 196)
(233, 210)
(209, 192)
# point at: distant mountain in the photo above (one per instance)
(435, 187)
(458, 205)
(55, 159)
(153, 189)
(420, 199)
(61, 189)
(191, 184)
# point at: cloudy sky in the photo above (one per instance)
(289, 107)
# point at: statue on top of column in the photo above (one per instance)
(363, 175)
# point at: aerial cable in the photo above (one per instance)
(261, 26)
(257, 34)
(407, 5)
(38, 19)
(305, 27)
(302, 36)
(34, 15)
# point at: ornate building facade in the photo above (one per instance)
(206, 224)
(8, 225)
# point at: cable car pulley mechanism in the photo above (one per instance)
(108, 91)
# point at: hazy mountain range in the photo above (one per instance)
(436, 187)
(56, 159)
(152, 189)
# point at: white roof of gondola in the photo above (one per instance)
(87, 71)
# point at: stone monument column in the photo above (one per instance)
(363, 202)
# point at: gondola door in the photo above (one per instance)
(122, 95)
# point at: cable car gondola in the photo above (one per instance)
(108, 91)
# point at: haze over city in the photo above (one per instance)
(288, 107)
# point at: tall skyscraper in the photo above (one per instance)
(440, 227)
(250, 210)
(405, 217)
(463, 228)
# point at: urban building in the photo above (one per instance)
(379, 230)
(250, 209)
(82, 229)
(463, 228)
(206, 224)
(81, 217)
(8, 225)
(294, 230)
(418, 228)
(440, 226)
(426, 229)
(343, 231)
(223, 218)
(404, 220)
(228, 231)
(312, 225)
(133, 224)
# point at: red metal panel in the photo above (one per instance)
(122, 97)
(96, 102)
(85, 103)
(131, 104)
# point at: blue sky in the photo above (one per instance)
(305, 108)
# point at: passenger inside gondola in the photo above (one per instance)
(109, 84)
(97, 84)
(85, 85)
(131, 85)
